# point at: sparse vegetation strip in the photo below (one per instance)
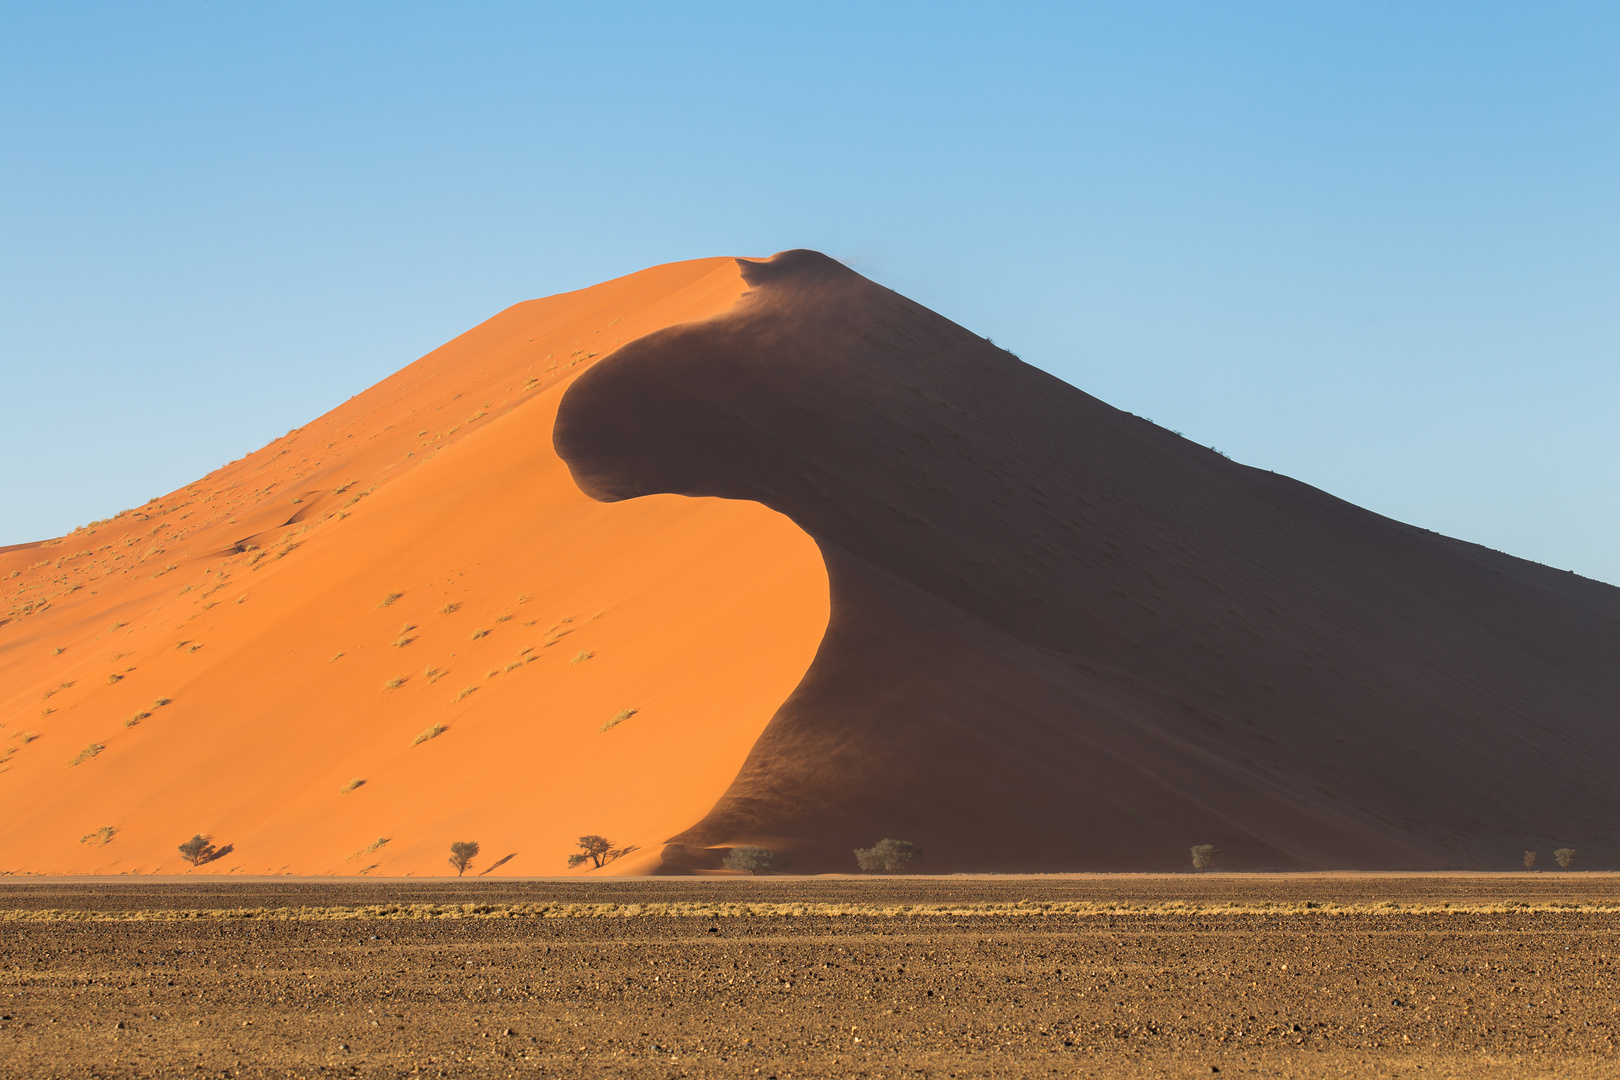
(786, 910)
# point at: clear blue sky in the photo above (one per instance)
(1375, 246)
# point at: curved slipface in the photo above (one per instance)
(758, 551)
(1062, 638)
(416, 560)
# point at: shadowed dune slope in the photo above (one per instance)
(230, 658)
(1064, 638)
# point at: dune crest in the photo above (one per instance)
(759, 552)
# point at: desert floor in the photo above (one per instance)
(1108, 976)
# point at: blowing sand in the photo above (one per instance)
(759, 552)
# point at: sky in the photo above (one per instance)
(1375, 246)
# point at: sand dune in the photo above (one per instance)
(844, 569)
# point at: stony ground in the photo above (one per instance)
(1350, 988)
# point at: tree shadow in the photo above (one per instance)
(497, 862)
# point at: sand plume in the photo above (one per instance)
(759, 552)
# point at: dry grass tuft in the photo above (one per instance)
(433, 674)
(449, 609)
(351, 785)
(476, 634)
(466, 692)
(431, 733)
(86, 754)
(136, 719)
(394, 683)
(370, 849)
(623, 715)
(390, 598)
(100, 838)
(514, 665)
(580, 658)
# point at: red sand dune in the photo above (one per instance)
(859, 572)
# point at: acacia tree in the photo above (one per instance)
(1203, 856)
(461, 855)
(598, 851)
(1565, 856)
(198, 850)
(753, 860)
(889, 855)
(1529, 860)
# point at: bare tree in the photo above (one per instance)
(886, 854)
(753, 860)
(598, 851)
(461, 855)
(198, 850)
(1529, 860)
(1203, 856)
(1565, 856)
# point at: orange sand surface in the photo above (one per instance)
(228, 659)
(843, 570)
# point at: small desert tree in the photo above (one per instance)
(1203, 856)
(1565, 856)
(461, 855)
(197, 850)
(886, 854)
(1529, 860)
(598, 851)
(753, 860)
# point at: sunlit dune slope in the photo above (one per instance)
(737, 551)
(1063, 638)
(229, 659)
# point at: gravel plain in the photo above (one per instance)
(1105, 976)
